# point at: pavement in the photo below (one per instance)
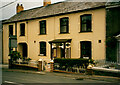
(76, 76)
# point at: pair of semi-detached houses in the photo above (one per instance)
(63, 30)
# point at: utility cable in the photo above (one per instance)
(7, 4)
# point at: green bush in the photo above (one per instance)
(14, 55)
(73, 62)
(28, 59)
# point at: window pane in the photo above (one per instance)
(64, 22)
(63, 29)
(42, 31)
(22, 29)
(84, 27)
(43, 27)
(88, 26)
(84, 19)
(86, 22)
(43, 48)
(10, 30)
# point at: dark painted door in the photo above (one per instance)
(24, 50)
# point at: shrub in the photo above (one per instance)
(15, 55)
(73, 62)
(28, 59)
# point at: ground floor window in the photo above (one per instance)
(85, 49)
(43, 48)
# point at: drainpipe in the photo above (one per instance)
(16, 33)
(2, 43)
(51, 51)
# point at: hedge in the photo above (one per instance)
(73, 62)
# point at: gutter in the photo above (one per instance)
(114, 6)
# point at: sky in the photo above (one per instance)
(10, 10)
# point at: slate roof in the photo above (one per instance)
(54, 9)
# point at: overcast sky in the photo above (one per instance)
(10, 10)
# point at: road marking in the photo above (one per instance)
(9, 82)
(13, 77)
(12, 82)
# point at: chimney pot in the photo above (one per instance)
(21, 5)
(19, 8)
(18, 4)
(46, 2)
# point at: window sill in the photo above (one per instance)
(42, 34)
(86, 32)
(12, 36)
(41, 55)
(22, 35)
(64, 33)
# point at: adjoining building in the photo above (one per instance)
(60, 30)
(112, 32)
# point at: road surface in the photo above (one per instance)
(17, 77)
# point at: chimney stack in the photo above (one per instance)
(46, 2)
(19, 8)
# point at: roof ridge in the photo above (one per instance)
(43, 6)
(53, 10)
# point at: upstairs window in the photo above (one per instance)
(43, 27)
(86, 49)
(64, 25)
(22, 29)
(86, 23)
(10, 30)
(43, 48)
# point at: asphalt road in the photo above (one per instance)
(15, 77)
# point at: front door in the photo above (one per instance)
(24, 50)
(86, 49)
(62, 53)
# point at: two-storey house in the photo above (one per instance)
(60, 30)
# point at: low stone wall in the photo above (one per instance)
(24, 67)
(106, 71)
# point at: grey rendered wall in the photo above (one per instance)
(112, 30)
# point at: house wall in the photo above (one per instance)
(32, 37)
(6, 41)
(5, 44)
